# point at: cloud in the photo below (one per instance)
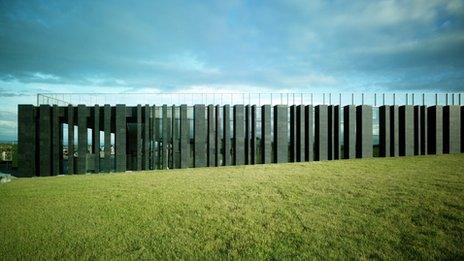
(182, 62)
(305, 43)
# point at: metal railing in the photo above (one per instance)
(374, 99)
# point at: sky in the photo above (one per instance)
(226, 46)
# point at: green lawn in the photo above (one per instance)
(410, 207)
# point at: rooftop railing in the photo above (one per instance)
(260, 98)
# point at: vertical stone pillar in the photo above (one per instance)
(253, 145)
(218, 146)
(462, 128)
(108, 161)
(96, 138)
(349, 131)
(423, 130)
(56, 141)
(280, 133)
(164, 134)
(435, 129)
(71, 168)
(451, 129)
(247, 135)
(184, 138)
(227, 142)
(120, 138)
(336, 132)
(321, 133)
(406, 130)
(364, 131)
(211, 136)
(153, 136)
(330, 132)
(309, 133)
(384, 131)
(169, 140)
(82, 147)
(394, 131)
(45, 140)
(300, 133)
(417, 130)
(146, 138)
(27, 141)
(293, 142)
(158, 138)
(138, 138)
(175, 140)
(266, 143)
(199, 136)
(239, 135)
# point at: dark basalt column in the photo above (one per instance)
(239, 135)
(309, 133)
(211, 136)
(45, 140)
(253, 145)
(199, 156)
(120, 138)
(184, 138)
(27, 141)
(175, 140)
(71, 167)
(406, 130)
(165, 137)
(293, 142)
(364, 131)
(108, 161)
(435, 129)
(82, 113)
(280, 134)
(146, 138)
(266, 149)
(321, 133)
(384, 131)
(138, 138)
(451, 129)
(423, 130)
(300, 133)
(462, 128)
(159, 138)
(96, 138)
(349, 132)
(417, 130)
(154, 141)
(330, 132)
(247, 134)
(394, 131)
(227, 142)
(337, 132)
(218, 145)
(169, 143)
(56, 141)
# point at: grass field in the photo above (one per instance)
(410, 207)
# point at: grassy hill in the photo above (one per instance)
(411, 207)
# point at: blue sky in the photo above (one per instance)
(224, 46)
